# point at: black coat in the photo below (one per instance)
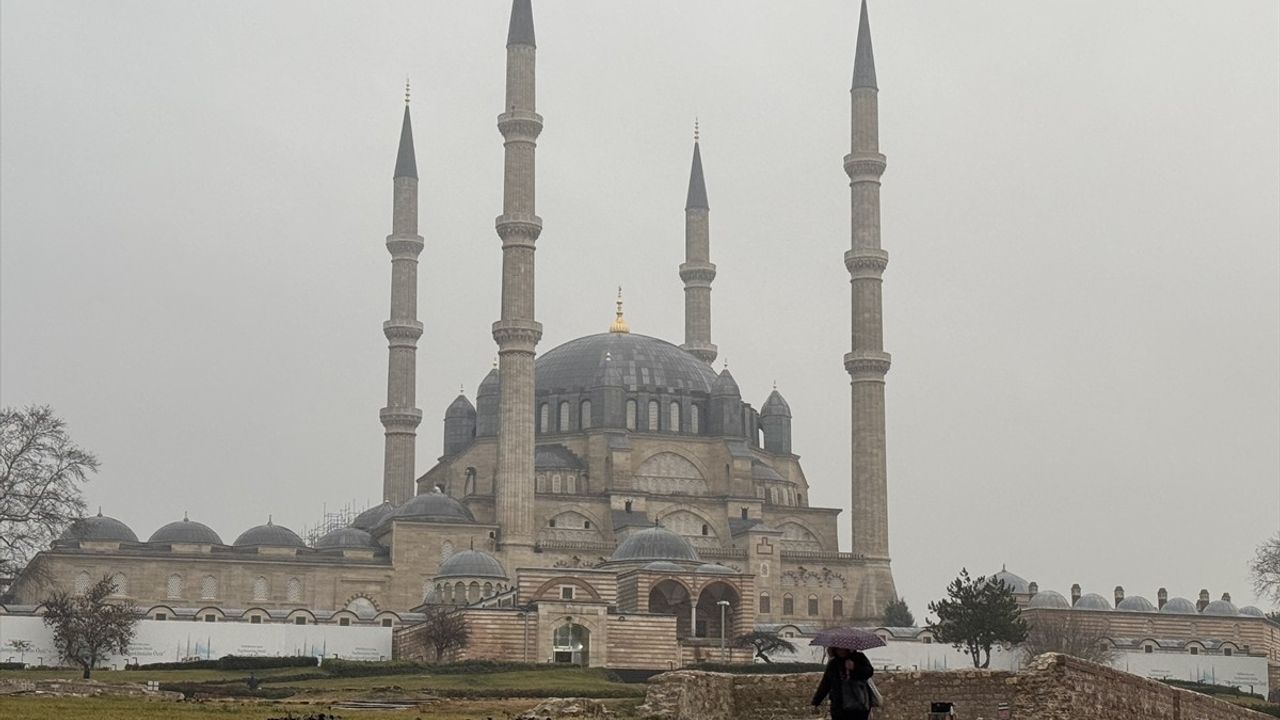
(831, 684)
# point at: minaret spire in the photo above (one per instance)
(401, 417)
(867, 362)
(517, 333)
(697, 270)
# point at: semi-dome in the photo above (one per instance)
(1252, 611)
(1015, 582)
(1136, 603)
(98, 527)
(185, 531)
(654, 543)
(1179, 606)
(761, 471)
(373, 517)
(715, 569)
(1093, 601)
(1049, 599)
(643, 361)
(663, 566)
(347, 537)
(1222, 608)
(269, 535)
(434, 506)
(471, 564)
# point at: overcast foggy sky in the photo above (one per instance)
(1082, 213)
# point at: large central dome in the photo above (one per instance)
(643, 361)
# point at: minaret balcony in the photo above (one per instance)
(517, 335)
(697, 274)
(867, 365)
(518, 229)
(402, 330)
(520, 125)
(866, 263)
(400, 418)
(864, 167)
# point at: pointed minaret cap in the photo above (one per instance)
(697, 197)
(520, 32)
(406, 164)
(864, 61)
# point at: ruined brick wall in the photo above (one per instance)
(1053, 687)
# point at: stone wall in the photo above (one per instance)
(1053, 687)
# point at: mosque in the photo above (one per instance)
(610, 501)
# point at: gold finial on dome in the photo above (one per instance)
(619, 324)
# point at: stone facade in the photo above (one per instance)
(1053, 687)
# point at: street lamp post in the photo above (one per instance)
(724, 606)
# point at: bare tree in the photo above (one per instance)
(41, 471)
(764, 642)
(87, 628)
(22, 647)
(444, 629)
(1265, 569)
(1068, 634)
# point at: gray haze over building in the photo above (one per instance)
(1082, 210)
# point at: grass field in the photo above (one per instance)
(513, 692)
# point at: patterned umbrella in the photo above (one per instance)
(849, 638)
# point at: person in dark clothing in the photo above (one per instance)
(843, 665)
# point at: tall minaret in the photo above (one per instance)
(697, 271)
(517, 333)
(867, 363)
(400, 418)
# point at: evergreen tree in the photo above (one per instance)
(897, 614)
(977, 614)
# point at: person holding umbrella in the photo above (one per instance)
(847, 678)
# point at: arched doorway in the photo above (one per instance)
(669, 597)
(571, 645)
(708, 613)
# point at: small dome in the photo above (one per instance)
(1015, 582)
(1092, 601)
(373, 517)
(1222, 608)
(761, 471)
(1252, 611)
(775, 404)
(726, 385)
(1049, 599)
(654, 543)
(555, 457)
(663, 566)
(1136, 603)
(185, 531)
(461, 407)
(1179, 606)
(270, 535)
(347, 537)
(98, 527)
(471, 564)
(715, 569)
(435, 506)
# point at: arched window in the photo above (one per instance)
(119, 584)
(706, 530)
(694, 419)
(293, 592)
(82, 582)
(631, 415)
(565, 418)
(673, 422)
(473, 591)
(570, 484)
(174, 587)
(837, 606)
(584, 414)
(260, 589)
(653, 416)
(788, 605)
(488, 589)
(469, 483)
(555, 483)
(209, 587)
(459, 593)
(763, 607)
(544, 417)
(813, 605)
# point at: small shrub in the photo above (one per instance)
(12, 665)
(363, 668)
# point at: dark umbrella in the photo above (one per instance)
(849, 638)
